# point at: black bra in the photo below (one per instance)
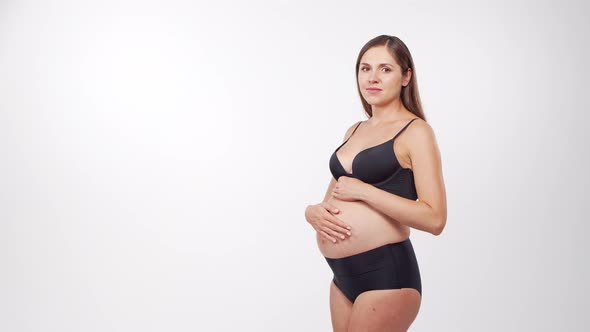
(379, 167)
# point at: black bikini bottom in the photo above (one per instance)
(391, 266)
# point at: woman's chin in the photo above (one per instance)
(375, 100)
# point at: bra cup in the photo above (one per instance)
(381, 169)
(375, 165)
(378, 165)
(335, 167)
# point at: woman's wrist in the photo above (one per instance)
(366, 192)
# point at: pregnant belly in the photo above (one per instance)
(370, 229)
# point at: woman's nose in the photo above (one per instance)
(372, 77)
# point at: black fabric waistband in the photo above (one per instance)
(370, 260)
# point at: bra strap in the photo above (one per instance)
(404, 128)
(355, 128)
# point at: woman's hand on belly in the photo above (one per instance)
(349, 189)
(321, 217)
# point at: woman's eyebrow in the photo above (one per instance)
(381, 64)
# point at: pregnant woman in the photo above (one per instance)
(387, 179)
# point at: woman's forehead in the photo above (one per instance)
(377, 55)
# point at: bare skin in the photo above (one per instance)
(355, 216)
(376, 310)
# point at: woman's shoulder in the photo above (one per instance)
(420, 133)
(351, 129)
(420, 126)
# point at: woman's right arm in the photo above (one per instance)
(322, 216)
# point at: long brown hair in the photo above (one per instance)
(409, 95)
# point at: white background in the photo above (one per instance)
(156, 158)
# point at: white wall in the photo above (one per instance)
(156, 158)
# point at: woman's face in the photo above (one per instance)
(379, 70)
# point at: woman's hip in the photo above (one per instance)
(394, 264)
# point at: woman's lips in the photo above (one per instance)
(373, 90)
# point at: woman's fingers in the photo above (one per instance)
(330, 208)
(338, 230)
(337, 224)
(330, 226)
(324, 234)
(333, 210)
(333, 232)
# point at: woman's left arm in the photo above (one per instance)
(429, 213)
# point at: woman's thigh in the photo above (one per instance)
(340, 309)
(385, 310)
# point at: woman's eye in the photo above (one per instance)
(387, 70)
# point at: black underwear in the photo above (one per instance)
(391, 266)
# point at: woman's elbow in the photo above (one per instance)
(439, 225)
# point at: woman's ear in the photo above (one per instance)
(407, 77)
